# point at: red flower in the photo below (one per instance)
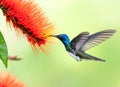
(7, 80)
(28, 18)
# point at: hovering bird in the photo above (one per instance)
(82, 42)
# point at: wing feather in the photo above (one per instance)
(79, 40)
(97, 38)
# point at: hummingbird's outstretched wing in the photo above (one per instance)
(97, 38)
(79, 40)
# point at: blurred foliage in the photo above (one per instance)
(3, 50)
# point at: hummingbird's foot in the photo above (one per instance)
(78, 60)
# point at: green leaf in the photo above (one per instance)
(3, 50)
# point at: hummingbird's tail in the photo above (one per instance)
(90, 57)
(95, 58)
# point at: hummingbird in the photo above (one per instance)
(82, 42)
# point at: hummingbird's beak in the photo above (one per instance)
(53, 36)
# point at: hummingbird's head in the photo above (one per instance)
(63, 37)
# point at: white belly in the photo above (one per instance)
(74, 56)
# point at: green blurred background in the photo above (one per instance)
(58, 69)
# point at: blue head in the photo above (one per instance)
(64, 38)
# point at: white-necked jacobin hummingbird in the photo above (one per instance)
(82, 42)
